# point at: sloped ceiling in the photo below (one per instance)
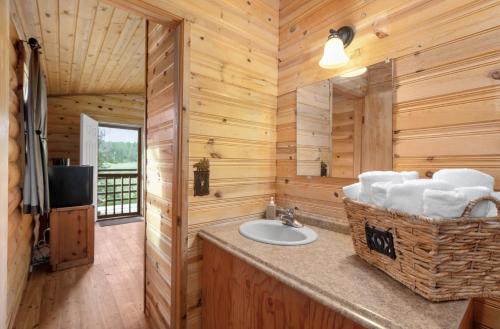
(88, 46)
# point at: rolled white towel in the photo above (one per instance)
(379, 193)
(474, 192)
(465, 177)
(352, 191)
(408, 197)
(368, 178)
(409, 175)
(493, 212)
(444, 204)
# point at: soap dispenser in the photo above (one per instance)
(271, 209)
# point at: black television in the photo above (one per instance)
(70, 186)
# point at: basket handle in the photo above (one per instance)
(473, 203)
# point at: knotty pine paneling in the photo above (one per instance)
(232, 116)
(63, 123)
(233, 91)
(19, 225)
(445, 111)
(347, 113)
(230, 100)
(314, 130)
(161, 181)
(89, 46)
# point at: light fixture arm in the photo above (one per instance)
(345, 33)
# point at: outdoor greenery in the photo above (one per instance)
(117, 155)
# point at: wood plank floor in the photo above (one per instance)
(107, 294)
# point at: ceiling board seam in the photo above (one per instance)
(43, 43)
(59, 46)
(125, 49)
(96, 74)
(133, 52)
(76, 85)
(74, 48)
(99, 52)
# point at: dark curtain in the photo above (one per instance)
(36, 187)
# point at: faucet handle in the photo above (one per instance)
(289, 218)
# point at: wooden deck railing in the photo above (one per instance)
(117, 194)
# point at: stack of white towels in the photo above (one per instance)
(444, 196)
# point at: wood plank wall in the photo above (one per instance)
(232, 119)
(377, 139)
(231, 75)
(313, 128)
(445, 99)
(161, 181)
(63, 124)
(347, 113)
(20, 225)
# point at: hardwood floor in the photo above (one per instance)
(107, 294)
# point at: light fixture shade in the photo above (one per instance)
(334, 54)
(355, 73)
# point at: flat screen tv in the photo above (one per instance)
(70, 186)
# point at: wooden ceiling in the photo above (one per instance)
(88, 46)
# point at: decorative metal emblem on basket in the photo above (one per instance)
(380, 240)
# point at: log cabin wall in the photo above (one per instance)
(5, 91)
(446, 100)
(19, 225)
(63, 123)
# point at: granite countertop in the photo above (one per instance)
(329, 272)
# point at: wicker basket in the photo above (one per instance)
(441, 260)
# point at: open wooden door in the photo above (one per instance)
(89, 147)
(163, 177)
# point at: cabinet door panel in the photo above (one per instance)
(237, 295)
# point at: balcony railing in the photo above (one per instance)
(117, 194)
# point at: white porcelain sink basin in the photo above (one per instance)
(274, 232)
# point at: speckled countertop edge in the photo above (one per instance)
(361, 316)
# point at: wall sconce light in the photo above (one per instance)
(334, 54)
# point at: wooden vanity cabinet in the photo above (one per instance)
(238, 295)
(487, 313)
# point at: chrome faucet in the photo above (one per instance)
(288, 219)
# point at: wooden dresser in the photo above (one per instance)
(71, 237)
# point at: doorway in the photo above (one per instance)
(119, 172)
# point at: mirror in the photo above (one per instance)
(344, 124)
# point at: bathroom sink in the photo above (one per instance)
(275, 232)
